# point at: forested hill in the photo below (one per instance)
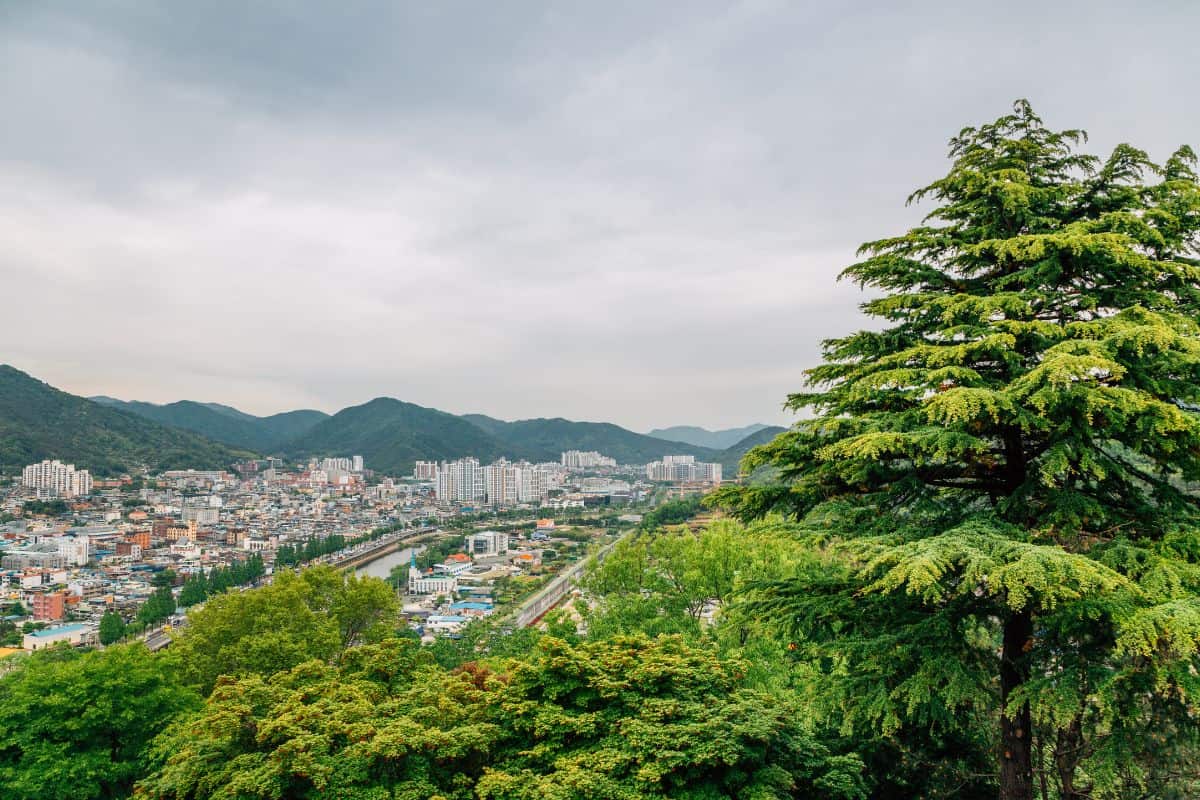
(391, 435)
(38, 421)
(731, 456)
(225, 424)
(702, 437)
(546, 439)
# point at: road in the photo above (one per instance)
(350, 557)
(533, 609)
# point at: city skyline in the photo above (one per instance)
(592, 213)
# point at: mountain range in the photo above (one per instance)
(224, 423)
(702, 437)
(38, 421)
(107, 434)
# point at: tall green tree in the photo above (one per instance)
(628, 718)
(314, 614)
(112, 628)
(636, 718)
(1001, 468)
(75, 726)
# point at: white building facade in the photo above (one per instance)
(57, 478)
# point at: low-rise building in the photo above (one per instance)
(74, 634)
(487, 543)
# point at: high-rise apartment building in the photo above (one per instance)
(460, 481)
(683, 469)
(425, 470)
(531, 484)
(57, 478)
(586, 459)
(500, 483)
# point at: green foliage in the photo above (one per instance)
(673, 512)
(10, 634)
(437, 552)
(629, 718)
(45, 508)
(199, 586)
(998, 476)
(315, 614)
(112, 628)
(75, 726)
(293, 555)
(157, 607)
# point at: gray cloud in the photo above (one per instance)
(629, 212)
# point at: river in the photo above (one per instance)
(382, 566)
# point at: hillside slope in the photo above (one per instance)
(546, 439)
(224, 423)
(702, 437)
(731, 456)
(38, 421)
(390, 435)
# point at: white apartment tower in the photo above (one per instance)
(500, 483)
(460, 481)
(586, 459)
(58, 478)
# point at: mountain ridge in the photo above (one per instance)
(39, 421)
(703, 437)
(224, 423)
(392, 434)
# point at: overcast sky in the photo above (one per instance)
(629, 212)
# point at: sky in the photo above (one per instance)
(627, 212)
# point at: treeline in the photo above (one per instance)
(345, 703)
(436, 552)
(161, 603)
(200, 586)
(672, 512)
(48, 508)
(289, 555)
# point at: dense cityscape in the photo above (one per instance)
(74, 548)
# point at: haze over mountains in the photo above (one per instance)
(106, 434)
(702, 437)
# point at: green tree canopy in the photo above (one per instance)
(314, 614)
(1002, 467)
(74, 726)
(629, 718)
(112, 628)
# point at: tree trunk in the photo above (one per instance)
(1068, 752)
(1016, 751)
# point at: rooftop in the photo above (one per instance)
(76, 626)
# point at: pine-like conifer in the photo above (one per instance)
(1001, 472)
